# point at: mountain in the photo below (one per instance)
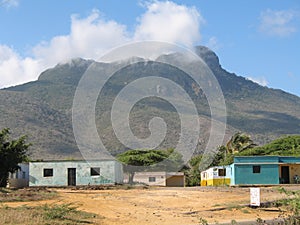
(42, 109)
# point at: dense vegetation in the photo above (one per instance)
(192, 172)
(286, 146)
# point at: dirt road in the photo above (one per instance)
(167, 205)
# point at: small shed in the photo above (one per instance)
(166, 179)
(20, 178)
(216, 176)
(73, 173)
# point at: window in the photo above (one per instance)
(152, 179)
(23, 175)
(256, 169)
(222, 172)
(95, 171)
(48, 172)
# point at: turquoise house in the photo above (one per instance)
(249, 170)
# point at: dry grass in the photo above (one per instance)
(26, 194)
(42, 214)
(46, 214)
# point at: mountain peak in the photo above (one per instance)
(209, 56)
(44, 107)
(67, 72)
(78, 62)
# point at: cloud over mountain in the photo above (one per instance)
(167, 21)
(259, 80)
(92, 36)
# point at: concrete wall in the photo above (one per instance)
(119, 176)
(243, 174)
(294, 170)
(232, 180)
(150, 178)
(20, 178)
(211, 176)
(257, 159)
(289, 159)
(168, 179)
(110, 173)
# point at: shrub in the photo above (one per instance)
(58, 211)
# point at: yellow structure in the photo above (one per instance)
(216, 176)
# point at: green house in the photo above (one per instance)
(248, 170)
(73, 173)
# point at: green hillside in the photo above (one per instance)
(42, 109)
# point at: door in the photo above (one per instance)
(285, 174)
(71, 176)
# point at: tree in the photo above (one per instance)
(238, 143)
(220, 156)
(136, 160)
(192, 171)
(12, 152)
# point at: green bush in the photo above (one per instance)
(292, 204)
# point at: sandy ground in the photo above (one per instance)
(167, 205)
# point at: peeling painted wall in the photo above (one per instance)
(110, 173)
(20, 178)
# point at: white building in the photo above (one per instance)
(169, 179)
(72, 173)
(216, 176)
(20, 178)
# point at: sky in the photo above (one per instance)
(257, 39)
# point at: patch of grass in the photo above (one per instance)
(260, 221)
(233, 207)
(233, 222)
(217, 205)
(4, 190)
(58, 211)
(292, 205)
(27, 194)
(245, 211)
(202, 221)
(47, 214)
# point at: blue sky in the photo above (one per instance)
(257, 39)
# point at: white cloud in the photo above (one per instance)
(213, 43)
(9, 3)
(278, 23)
(167, 21)
(259, 80)
(16, 70)
(91, 37)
